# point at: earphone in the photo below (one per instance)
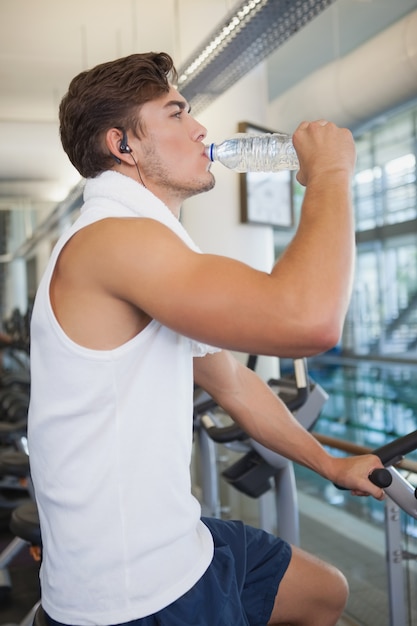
(124, 148)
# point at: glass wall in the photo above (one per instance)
(385, 181)
(383, 315)
(382, 318)
(372, 378)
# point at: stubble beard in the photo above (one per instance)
(162, 177)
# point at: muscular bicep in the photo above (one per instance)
(210, 298)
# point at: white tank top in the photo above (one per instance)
(110, 436)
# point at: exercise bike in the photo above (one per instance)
(401, 495)
(259, 473)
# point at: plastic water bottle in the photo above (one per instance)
(269, 152)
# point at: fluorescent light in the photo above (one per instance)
(247, 35)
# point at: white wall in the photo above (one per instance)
(378, 76)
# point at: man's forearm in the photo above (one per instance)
(317, 267)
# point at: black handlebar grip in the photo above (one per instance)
(222, 434)
(295, 403)
(380, 477)
(394, 451)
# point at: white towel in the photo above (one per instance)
(122, 196)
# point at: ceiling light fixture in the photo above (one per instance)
(246, 36)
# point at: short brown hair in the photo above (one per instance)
(109, 96)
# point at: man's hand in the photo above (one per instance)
(323, 149)
(353, 473)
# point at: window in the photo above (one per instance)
(382, 318)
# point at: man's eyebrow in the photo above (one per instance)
(182, 104)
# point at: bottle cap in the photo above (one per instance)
(209, 151)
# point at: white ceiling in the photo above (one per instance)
(44, 43)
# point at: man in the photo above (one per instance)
(124, 322)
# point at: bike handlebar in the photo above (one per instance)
(394, 451)
(398, 488)
(301, 383)
(390, 454)
(381, 477)
(222, 434)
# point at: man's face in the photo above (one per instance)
(171, 153)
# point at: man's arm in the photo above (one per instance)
(299, 308)
(254, 406)
(118, 266)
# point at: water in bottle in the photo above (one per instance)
(269, 152)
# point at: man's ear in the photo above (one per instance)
(114, 138)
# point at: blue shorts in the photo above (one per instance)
(238, 588)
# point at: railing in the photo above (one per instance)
(354, 448)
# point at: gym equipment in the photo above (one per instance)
(398, 488)
(39, 616)
(14, 467)
(259, 472)
(401, 494)
(15, 483)
(24, 524)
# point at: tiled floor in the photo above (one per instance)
(358, 549)
(347, 621)
(323, 534)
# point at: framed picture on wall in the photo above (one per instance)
(265, 197)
